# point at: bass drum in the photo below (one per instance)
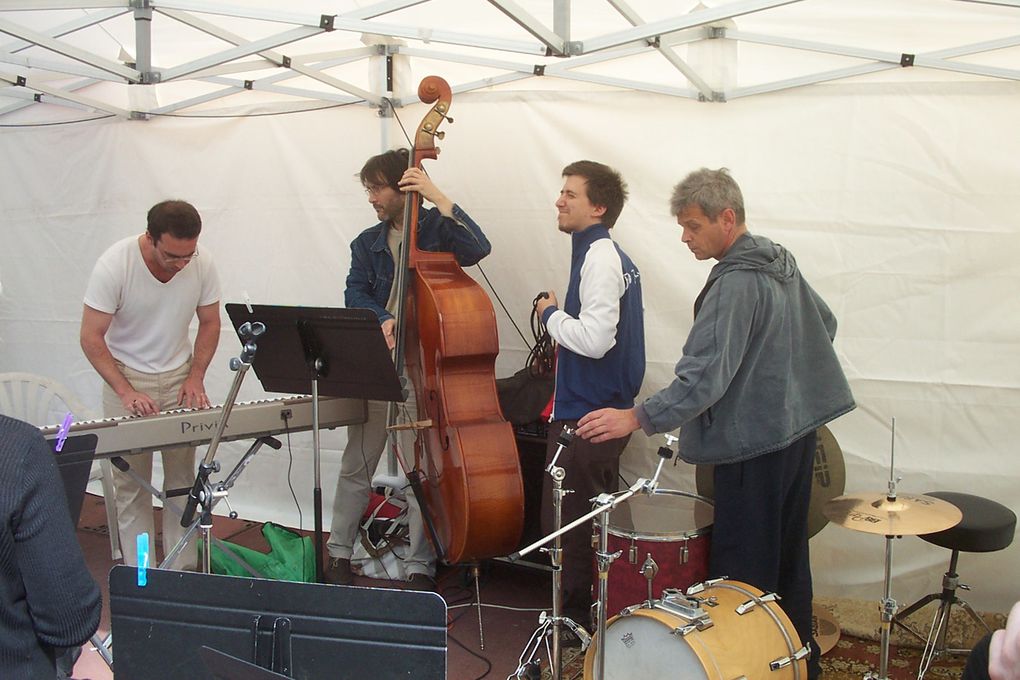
(734, 634)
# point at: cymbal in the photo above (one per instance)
(824, 628)
(906, 515)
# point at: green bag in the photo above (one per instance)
(291, 557)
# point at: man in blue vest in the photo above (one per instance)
(600, 360)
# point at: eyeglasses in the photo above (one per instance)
(176, 258)
(375, 189)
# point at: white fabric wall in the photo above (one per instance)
(900, 203)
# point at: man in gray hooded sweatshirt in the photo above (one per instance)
(757, 377)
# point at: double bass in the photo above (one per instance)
(466, 454)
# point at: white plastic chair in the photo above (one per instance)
(41, 401)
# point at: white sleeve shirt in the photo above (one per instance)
(602, 285)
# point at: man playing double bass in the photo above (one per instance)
(370, 285)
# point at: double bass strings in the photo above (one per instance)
(492, 288)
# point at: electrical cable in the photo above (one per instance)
(542, 357)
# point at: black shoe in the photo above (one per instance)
(338, 572)
(423, 582)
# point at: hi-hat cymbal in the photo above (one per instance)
(906, 515)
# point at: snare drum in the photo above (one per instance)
(670, 528)
(726, 631)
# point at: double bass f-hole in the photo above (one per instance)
(434, 407)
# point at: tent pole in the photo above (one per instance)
(143, 42)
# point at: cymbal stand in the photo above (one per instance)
(889, 605)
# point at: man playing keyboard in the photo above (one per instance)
(140, 300)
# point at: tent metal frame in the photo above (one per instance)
(63, 73)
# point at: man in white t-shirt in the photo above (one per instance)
(140, 300)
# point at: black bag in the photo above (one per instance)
(523, 396)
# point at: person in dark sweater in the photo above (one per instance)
(49, 600)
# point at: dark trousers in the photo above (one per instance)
(977, 661)
(759, 535)
(591, 469)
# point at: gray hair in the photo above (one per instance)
(711, 190)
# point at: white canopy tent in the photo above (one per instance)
(879, 145)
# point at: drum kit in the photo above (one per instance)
(653, 547)
(664, 535)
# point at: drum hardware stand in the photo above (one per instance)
(605, 559)
(552, 625)
(935, 641)
(649, 569)
(604, 504)
(889, 605)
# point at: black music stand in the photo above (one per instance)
(74, 461)
(226, 667)
(337, 352)
(286, 629)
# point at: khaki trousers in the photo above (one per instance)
(134, 503)
(365, 446)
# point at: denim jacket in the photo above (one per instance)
(371, 276)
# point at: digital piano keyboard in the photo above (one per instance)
(195, 427)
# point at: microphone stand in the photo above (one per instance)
(202, 492)
(556, 558)
(554, 623)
